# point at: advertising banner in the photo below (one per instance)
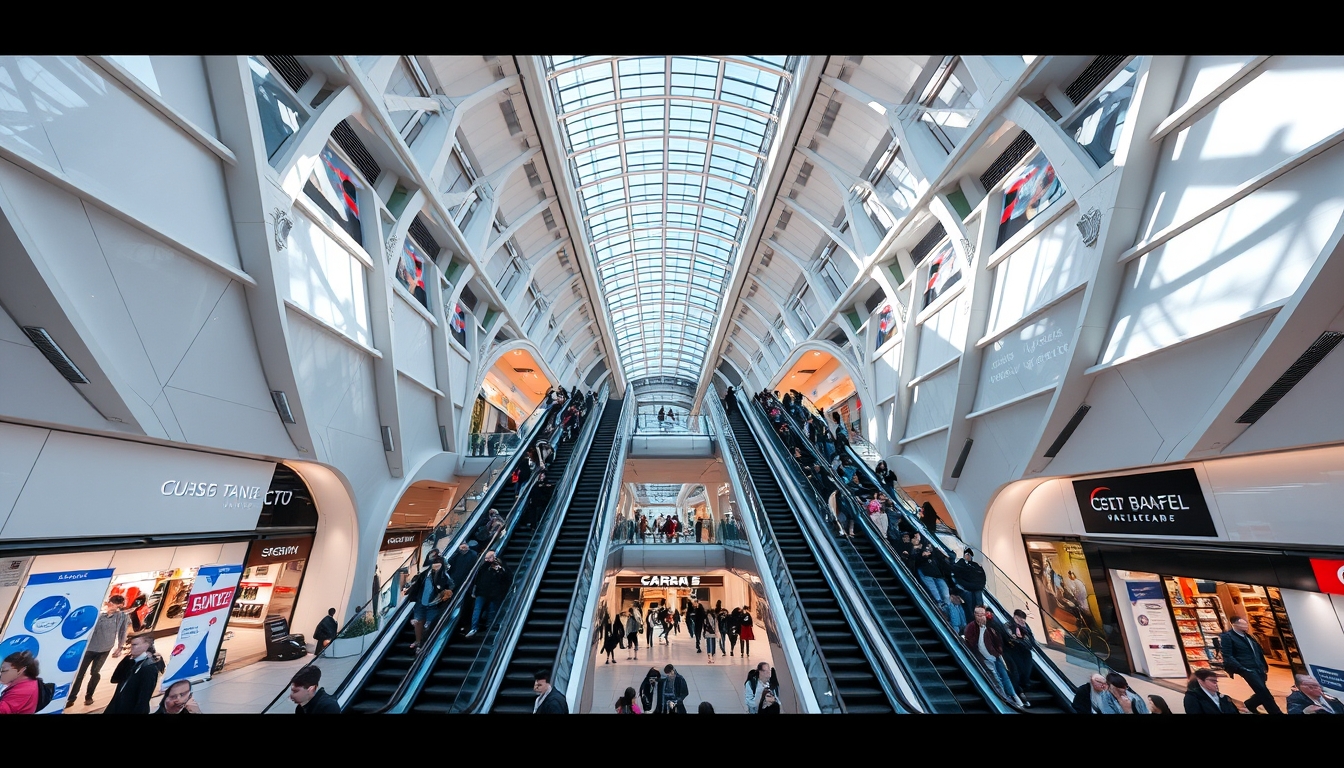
(1157, 635)
(1167, 503)
(1329, 575)
(53, 620)
(202, 627)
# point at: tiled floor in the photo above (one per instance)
(238, 691)
(719, 683)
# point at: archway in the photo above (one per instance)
(827, 377)
(506, 390)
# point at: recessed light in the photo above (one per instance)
(816, 354)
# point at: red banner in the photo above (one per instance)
(1329, 575)
(209, 601)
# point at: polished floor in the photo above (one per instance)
(719, 683)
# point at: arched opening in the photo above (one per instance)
(511, 389)
(826, 379)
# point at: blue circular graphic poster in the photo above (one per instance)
(79, 622)
(47, 614)
(19, 643)
(69, 661)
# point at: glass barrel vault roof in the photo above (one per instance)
(666, 155)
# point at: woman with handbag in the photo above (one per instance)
(745, 632)
(649, 688)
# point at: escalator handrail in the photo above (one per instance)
(804, 634)
(351, 683)
(976, 672)
(584, 602)
(515, 615)
(903, 693)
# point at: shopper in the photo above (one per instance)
(698, 611)
(459, 565)
(492, 584)
(626, 705)
(711, 633)
(1158, 705)
(1203, 698)
(885, 478)
(1242, 655)
(1119, 700)
(1078, 591)
(549, 701)
(745, 633)
(672, 692)
(1087, 697)
(18, 673)
(109, 634)
(1311, 699)
(734, 629)
(615, 635)
(705, 708)
(650, 622)
(633, 622)
(178, 700)
(759, 679)
(931, 574)
(136, 678)
(648, 689)
(1021, 644)
(969, 577)
(431, 589)
(522, 472)
(929, 516)
(986, 640)
(325, 632)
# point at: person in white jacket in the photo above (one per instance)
(753, 691)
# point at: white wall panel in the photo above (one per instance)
(886, 370)
(24, 108)
(326, 280)
(419, 423)
(207, 420)
(324, 366)
(357, 413)
(1045, 267)
(183, 85)
(364, 465)
(1252, 254)
(457, 376)
(167, 419)
(1281, 497)
(223, 361)
(1311, 412)
(147, 165)
(1203, 73)
(19, 449)
(30, 388)
(931, 404)
(168, 296)
(1028, 358)
(941, 336)
(412, 338)
(928, 452)
(996, 457)
(1115, 433)
(1277, 113)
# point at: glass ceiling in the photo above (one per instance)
(666, 154)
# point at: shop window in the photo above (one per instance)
(411, 272)
(334, 187)
(1097, 127)
(944, 272)
(288, 503)
(1074, 615)
(281, 115)
(1029, 192)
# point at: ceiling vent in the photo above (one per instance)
(1005, 161)
(805, 173)
(533, 178)
(784, 217)
(828, 117)
(1295, 373)
(424, 239)
(511, 117)
(806, 371)
(354, 149)
(1098, 71)
(524, 370)
(926, 244)
(290, 70)
(55, 355)
(549, 218)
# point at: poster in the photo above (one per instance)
(944, 272)
(1157, 635)
(885, 325)
(203, 623)
(1034, 188)
(53, 620)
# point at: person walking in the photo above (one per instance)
(662, 416)
(672, 692)
(698, 610)
(650, 622)
(325, 632)
(676, 622)
(613, 635)
(711, 632)
(108, 636)
(1021, 644)
(633, 622)
(648, 689)
(734, 629)
(1242, 655)
(492, 584)
(745, 633)
(988, 642)
(643, 529)
(1202, 696)
(430, 590)
(136, 678)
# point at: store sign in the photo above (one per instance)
(1328, 678)
(235, 496)
(1167, 503)
(1161, 647)
(202, 628)
(669, 580)
(1329, 576)
(394, 540)
(53, 621)
(279, 550)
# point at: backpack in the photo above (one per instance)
(45, 693)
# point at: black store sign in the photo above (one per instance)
(1167, 503)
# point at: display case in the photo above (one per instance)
(1285, 629)
(1198, 621)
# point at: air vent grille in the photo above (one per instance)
(925, 245)
(548, 218)
(874, 301)
(533, 178)
(55, 355)
(1295, 373)
(828, 117)
(290, 70)
(784, 217)
(1067, 432)
(805, 173)
(1010, 157)
(354, 148)
(468, 298)
(424, 239)
(1099, 70)
(511, 117)
(806, 371)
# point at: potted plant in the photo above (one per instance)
(351, 639)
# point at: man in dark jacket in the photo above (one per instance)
(136, 678)
(1087, 697)
(969, 576)
(1021, 642)
(670, 698)
(549, 701)
(460, 564)
(430, 590)
(308, 698)
(697, 614)
(1243, 656)
(492, 583)
(1311, 699)
(325, 632)
(987, 642)
(1204, 699)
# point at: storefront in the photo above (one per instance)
(1147, 570)
(170, 531)
(677, 587)
(398, 562)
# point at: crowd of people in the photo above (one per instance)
(665, 693)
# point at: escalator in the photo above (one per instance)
(538, 644)
(385, 679)
(857, 686)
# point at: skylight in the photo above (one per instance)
(666, 155)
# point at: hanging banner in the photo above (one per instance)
(202, 627)
(53, 620)
(1157, 635)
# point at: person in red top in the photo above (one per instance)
(18, 673)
